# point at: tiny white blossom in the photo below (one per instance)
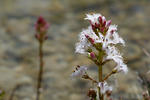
(83, 45)
(93, 18)
(121, 67)
(79, 72)
(103, 19)
(113, 53)
(104, 87)
(80, 48)
(90, 33)
(112, 36)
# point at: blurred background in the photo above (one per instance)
(19, 48)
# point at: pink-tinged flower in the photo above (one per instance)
(103, 20)
(79, 71)
(97, 21)
(108, 23)
(86, 40)
(93, 18)
(104, 87)
(111, 38)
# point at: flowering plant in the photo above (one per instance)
(98, 42)
(41, 27)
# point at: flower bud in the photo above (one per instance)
(41, 20)
(108, 23)
(108, 93)
(92, 55)
(104, 23)
(92, 94)
(46, 37)
(41, 25)
(102, 29)
(37, 36)
(112, 31)
(103, 19)
(93, 26)
(44, 28)
(90, 39)
(100, 20)
(97, 25)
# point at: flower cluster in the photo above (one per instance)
(98, 42)
(101, 34)
(41, 27)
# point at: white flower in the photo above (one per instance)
(82, 48)
(93, 18)
(113, 53)
(112, 36)
(79, 72)
(104, 87)
(121, 67)
(84, 44)
(90, 33)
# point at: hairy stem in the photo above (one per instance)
(40, 73)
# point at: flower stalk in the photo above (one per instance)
(100, 74)
(41, 27)
(40, 73)
(98, 42)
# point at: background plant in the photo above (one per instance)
(41, 28)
